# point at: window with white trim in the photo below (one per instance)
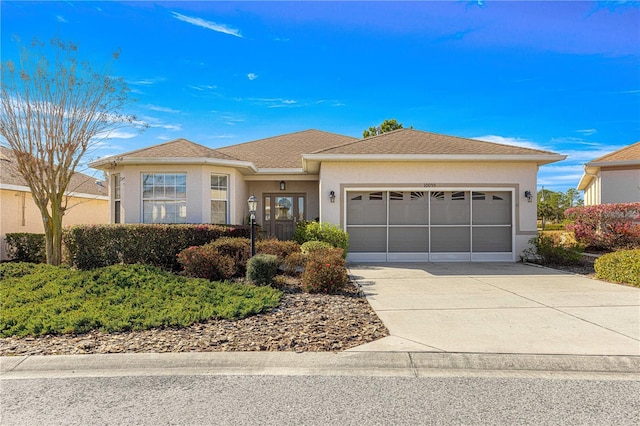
(164, 197)
(219, 198)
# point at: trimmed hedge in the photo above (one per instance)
(26, 247)
(95, 246)
(311, 246)
(619, 267)
(327, 232)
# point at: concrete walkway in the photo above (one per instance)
(498, 308)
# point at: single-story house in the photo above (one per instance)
(613, 178)
(405, 195)
(88, 202)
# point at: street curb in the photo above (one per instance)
(397, 364)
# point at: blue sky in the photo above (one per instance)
(561, 76)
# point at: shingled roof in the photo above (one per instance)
(179, 148)
(80, 183)
(415, 142)
(627, 154)
(285, 151)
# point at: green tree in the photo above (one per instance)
(385, 126)
(549, 206)
(552, 204)
(56, 107)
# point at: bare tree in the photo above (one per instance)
(54, 109)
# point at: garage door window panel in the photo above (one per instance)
(494, 208)
(492, 239)
(408, 208)
(450, 208)
(408, 240)
(366, 208)
(450, 239)
(367, 239)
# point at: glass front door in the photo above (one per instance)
(281, 213)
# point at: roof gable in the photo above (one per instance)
(626, 154)
(285, 151)
(179, 148)
(416, 142)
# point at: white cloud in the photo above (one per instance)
(510, 141)
(587, 132)
(162, 109)
(61, 18)
(251, 76)
(207, 24)
(116, 134)
(146, 81)
(275, 102)
(203, 87)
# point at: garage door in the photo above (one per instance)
(430, 225)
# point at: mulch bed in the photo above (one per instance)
(302, 323)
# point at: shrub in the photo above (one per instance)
(619, 267)
(94, 246)
(58, 300)
(26, 247)
(282, 249)
(294, 264)
(606, 226)
(555, 248)
(315, 231)
(206, 262)
(311, 246)
(238, 249)
(554, 227)
(325, 272)
(262, 268)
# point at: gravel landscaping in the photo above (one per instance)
(302, 323)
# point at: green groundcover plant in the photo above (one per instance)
(43, 299)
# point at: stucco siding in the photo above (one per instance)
(198, 190)
(310, 188)
(18, 213)
(620, 186)
(518, 177)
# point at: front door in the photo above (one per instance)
(281, 213)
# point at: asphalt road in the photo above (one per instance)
(318, 400)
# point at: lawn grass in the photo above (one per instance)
(36, 300)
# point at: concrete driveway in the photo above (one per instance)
(508, 308)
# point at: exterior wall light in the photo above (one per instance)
(528, 195)
(283, 185)
(332, 196)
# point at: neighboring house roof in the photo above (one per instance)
(285, 151)
(10, 178)
(627, 156)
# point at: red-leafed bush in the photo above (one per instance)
(606, 226)
(238, 249)
(325, 272)
(206, 262)
(278, 248)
